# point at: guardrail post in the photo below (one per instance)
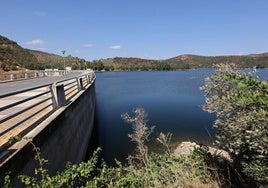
(88, 79)
(54, 95)
(26, 75)
(91, 77)
(61, 95)
(58, 95)
(80, 83)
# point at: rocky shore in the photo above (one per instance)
(185, 148)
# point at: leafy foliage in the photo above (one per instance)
(73, 176)
(240, 102)
(97, 65)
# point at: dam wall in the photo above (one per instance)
(62, 137)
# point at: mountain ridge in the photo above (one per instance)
(12, 55)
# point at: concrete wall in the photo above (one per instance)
(63, 137)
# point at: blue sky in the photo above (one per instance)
(153, 29)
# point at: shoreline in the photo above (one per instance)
(185, 148)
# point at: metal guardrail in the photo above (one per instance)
(21, 111)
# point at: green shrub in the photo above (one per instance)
(240, 103)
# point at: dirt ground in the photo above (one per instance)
(20, 74)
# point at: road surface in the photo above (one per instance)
(13, 86)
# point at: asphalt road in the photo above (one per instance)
(13, 86)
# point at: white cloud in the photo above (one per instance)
(115, 47)
(35, 42)
(88, 45)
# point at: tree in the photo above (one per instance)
(96, 65)
(240, 103)
(140, 135)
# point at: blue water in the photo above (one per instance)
(172, 100)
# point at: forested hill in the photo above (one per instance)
(184, 62)
(12, 55)
(49, 60)
(187, 62)
(246, 61)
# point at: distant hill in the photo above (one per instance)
(245, 61)
(121, 63)
(12, 56)
(49, 60)
(184, 62)
(46, 58)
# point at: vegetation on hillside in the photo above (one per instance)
(180, 62)
(240, 102)
(12, 56)
(52, 61)
(119, 63)
(242, 61)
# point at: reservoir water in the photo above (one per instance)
(172, 100)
